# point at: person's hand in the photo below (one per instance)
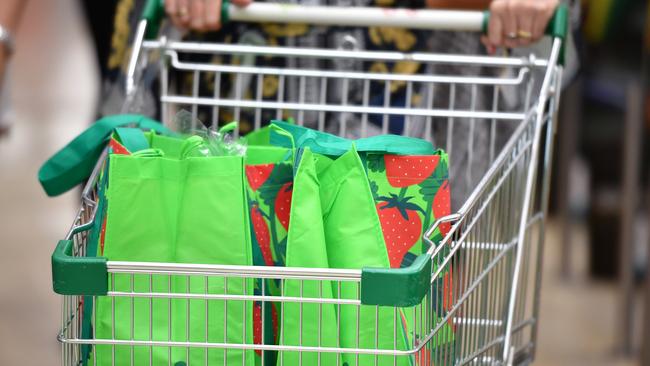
(517, 23)
(199, 15)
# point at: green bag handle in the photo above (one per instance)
(133, 139)
(280, 132)
(75, 162)
(190, 144)
(229, 127)
(328, 144)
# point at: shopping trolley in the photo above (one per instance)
(489, 264)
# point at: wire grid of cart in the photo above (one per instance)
(485, 274)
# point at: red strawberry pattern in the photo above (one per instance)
(283, 204)
(262, 234)
(405, 171)
(102, 237)
(424, 357)
(257, 326)
(447, 289)
(258, 174)
(401, 226)
(118, 148)
(442, 206)
(274, 321)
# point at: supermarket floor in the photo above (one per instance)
(53, 94)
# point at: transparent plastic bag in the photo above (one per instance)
(215, 142)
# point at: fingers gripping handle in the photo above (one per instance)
(558, 26)
(154, 13)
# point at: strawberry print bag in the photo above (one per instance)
(378, 196)
(409, 192)
(287, 230)
(269, 187)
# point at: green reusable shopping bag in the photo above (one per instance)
(408, 180)
(74, 162)
(307, 324)
(375, 209)
(270, 181)
(176, 209)
(72, 165)
(269, 177)
(286, 230)
(354, 240)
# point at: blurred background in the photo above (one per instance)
(593, 299)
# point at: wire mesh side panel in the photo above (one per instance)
(526, 313)
(473, 267)
(172, 314)
(468, 109)
(72, 317)
(153, 319)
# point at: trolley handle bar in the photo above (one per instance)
(454, 20)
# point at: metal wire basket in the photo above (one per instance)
(482, 281)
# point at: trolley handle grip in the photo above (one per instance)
(154, 13)
(474, 21)
(558, 26)
(77, 275)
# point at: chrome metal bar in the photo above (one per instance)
(332, 74)
(457, 59)
(135, 57)
(530, 181)
(239, 346)
(234, 271)
(478, 322)
(280, 299)
(540, 217)
(358, 16)
(344, 108)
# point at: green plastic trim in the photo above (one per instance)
(486, 21)
(78, 276)
(558, 27)
(154, 13)
(398, 287)
(225, 11)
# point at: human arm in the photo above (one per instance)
(10, 14)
